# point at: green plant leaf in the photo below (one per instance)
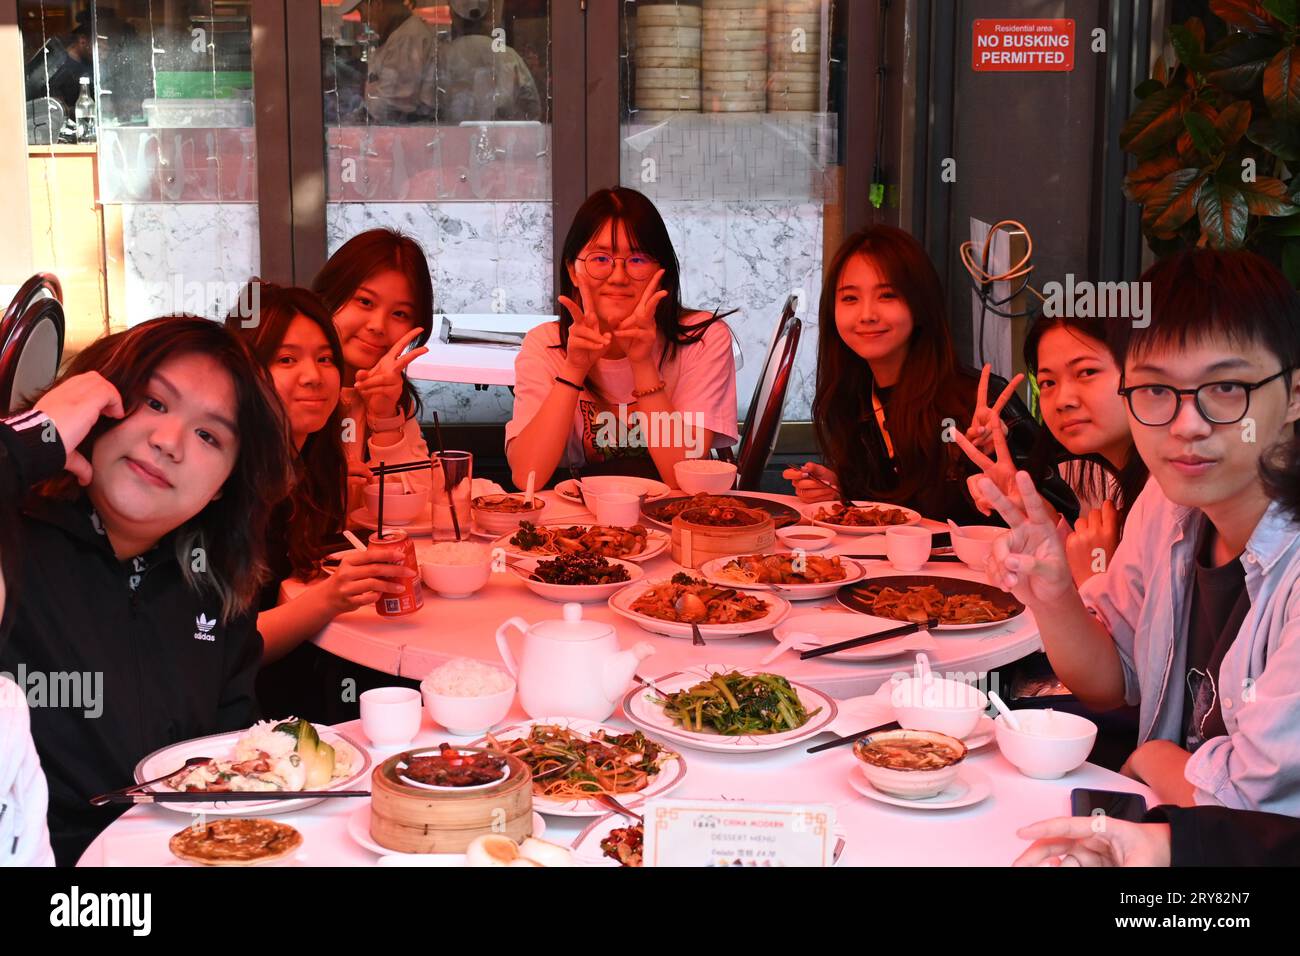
(1146, 176)
(1156, 121)
(1267, 196)
(1282, 85)
(1232, 123)
(1280, 139)
(1223, 214)
(1248, 15)
(1188, 47)
(1205, 137)
(1284, 10)
(1173, 201)
(1148, 87)
(1237, 64)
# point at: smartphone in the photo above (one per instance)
(1113, 803)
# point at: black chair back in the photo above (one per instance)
(31, 341)
(763, 420)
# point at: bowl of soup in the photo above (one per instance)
(497, 514)
(912, 764)
(400, 506)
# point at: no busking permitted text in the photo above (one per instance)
(1018, 46)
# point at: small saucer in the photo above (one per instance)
(968, 788)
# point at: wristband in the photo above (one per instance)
(565, 381)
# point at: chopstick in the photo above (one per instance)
(841, 741)
(839, 494)
(379, 518)
(401, 467)
(868, 639)
(229, 796)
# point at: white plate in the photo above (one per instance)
(671, 774)
(653, 490)
(429, 786)
(587, 851)
(913, 517)
(856, 603)
(220, 747)
(829, 627)
(983, 734)
(639, 707)
(621, 603)
(582, 593)
(359, 830)
(423, 524)
(711, 571)
(969, 787)
(656, 541)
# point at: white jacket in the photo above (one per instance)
(24, 834)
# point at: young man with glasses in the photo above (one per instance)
(1197, 618)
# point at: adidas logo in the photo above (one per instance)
(205, 626)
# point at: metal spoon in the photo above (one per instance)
(104, 798)
(617, 807)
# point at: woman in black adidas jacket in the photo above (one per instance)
(133, 602)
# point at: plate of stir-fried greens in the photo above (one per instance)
(729, 709)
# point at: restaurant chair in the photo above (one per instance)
(763, 420)
(31, 340)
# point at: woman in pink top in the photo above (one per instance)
(628, 381)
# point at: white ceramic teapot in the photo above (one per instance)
(570, 668)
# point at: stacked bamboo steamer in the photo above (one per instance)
(734, 44)
(667, 57)
(794, 48)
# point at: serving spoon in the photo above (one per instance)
(105, 798)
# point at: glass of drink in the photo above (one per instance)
(453, 475)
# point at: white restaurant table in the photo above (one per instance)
(412, 646)
(876, 834)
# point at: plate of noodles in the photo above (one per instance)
(865, 517)
(958, 603)
(572, 758)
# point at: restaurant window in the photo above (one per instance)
(730, 123)
(438, 123)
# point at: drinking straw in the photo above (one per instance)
(446, 479)
(437, 431)
(380, 522)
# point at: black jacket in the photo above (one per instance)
(1219, 836)
(166, 668)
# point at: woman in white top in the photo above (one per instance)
(628, 381)
(378, 289)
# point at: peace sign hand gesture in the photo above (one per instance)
(586, 342)
(1030, 562)
(637, 331)
(380, 386)
(1000, 469)
(987, 418)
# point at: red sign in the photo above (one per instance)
(1023, 46)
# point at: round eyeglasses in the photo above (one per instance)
(1219, 403)
(601, 266)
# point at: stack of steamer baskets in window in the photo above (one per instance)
(733, 56)
(667, 59)
(441, 799)
(794, 55)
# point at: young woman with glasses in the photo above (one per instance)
(625, 352)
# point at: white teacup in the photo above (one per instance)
(617, 509)
(907, 547)
(390, 716)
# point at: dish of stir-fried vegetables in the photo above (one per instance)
(735, 704)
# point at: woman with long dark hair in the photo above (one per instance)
(291, 334)
(628, 380)
(890, 392)
(158, 536)
(378, 291)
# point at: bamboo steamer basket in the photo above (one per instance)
(794, 82)
(667, 15)
(709, 5)
(409, 819)
(694, 543)
(731, 103)
(678, 77)
(735, 19)
(682, 102)
(734, 39)
(667, 36)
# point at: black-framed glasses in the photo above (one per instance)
(638, 265)
(1219, 403)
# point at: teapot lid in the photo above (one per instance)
(572, 627)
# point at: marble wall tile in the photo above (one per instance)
(187, 257)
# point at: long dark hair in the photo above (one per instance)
(315, 509)
(231, 530)
(929, 390)
(379, 250)
(646, 233)
(1280, 470)
(1047, 452)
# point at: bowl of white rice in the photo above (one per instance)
(467, 697)
(455, 569)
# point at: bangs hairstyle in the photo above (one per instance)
(646, 232)
(928, 391)
(1201, 294)
(371, 252)
(1048, 452)
(232, 529)
(317, 504)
